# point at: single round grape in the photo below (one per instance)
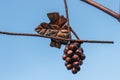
(82, 57)
(78, 52)
(73, 47)
(76, 63)
(64, 56)
(68, 60)
(80, 62)
(66, 49)
(69, 53)
(74, 70)
(69, 66)
(75, 57)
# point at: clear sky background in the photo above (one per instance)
(31, 58)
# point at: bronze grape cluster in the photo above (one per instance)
(73, 56)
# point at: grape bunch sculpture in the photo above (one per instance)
(73, 53)
(59, 31)
(73, 56)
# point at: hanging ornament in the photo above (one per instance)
(73, 56)
(59, 31)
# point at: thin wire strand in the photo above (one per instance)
(67, 17)
(68, 22)
(75, 34)
(58, 38)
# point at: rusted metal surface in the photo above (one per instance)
(55, 28)
(73, 56)
(103, 8)
(53, 17)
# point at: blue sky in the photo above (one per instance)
(31, 58)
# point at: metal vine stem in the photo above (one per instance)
(38, 35)
(68, 23)
(103, 8)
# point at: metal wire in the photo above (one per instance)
(58, 38)
(68, 23)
